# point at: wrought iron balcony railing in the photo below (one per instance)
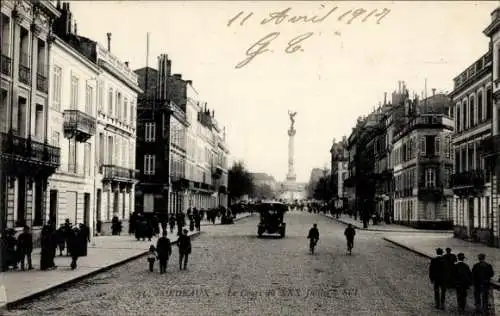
(79, 125)
(117, 173)
(25, 149)
(6, 65)
(41, 83)
(468, 179)
(24, 74)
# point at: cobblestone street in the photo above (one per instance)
(232, 272)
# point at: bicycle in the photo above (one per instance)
(350, 245)
(312, 244)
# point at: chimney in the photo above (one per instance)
(169, 67)
(75, 30)
(189, 82)
(58, 5)
(109, 41)
(433, 91)
(126, 64)
(68, 21)
(385, 98)
(213, 113)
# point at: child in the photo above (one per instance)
(152, 257)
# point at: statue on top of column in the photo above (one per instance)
(292, 118)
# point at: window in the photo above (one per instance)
(110, 102)
(149, 164)
(125, 110)
(86, 159)
(89, 99)
(132, 113)
(430, 178)
(480, 106)
(447, 146)
(430, 145)
(471, 112)
(458, 126)
(422, 146)
(56, 88)
(437, 147)
(118, 106)
(55, 139)
(74, 93)
(465, 122)
(478, 156)
(489, 104)
(110, 150)
(101, 149)
(72, 155)
(100, 96)
(149, 132)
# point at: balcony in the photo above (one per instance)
(6, 65)
(468, 182)
(41, 83)
(79, 125)
(435, 193)
(24, 74)
(113, 173)
(490, 146)
(217, 172)
(24, 155)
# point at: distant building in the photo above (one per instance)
(340, 172)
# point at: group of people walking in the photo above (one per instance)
(17, 251)
(163, 251)
(449, 271)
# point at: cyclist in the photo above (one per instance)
(313, 237)
(349, 233)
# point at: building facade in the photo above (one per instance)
(73, 119)
(339, 166)
(423, 165)
(490, 146)
(182, 155)
(27, 158)
(472, 113)
(115, 90)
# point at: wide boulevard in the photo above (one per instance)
(232, 272)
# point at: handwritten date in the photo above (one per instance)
(261, 46)
(285, 16)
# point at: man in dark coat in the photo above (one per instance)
(180, 223)
(436, 272)
(171, 222)
(46, 239)
(74, 245)
(84, 239)
(482, 272)
(164, 250)
(25, 247)
(184, 244)
(463, 280)
(449, 260)
(349, 234)
(9, 254)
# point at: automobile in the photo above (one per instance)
(271, 218)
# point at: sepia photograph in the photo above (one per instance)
(217, 157)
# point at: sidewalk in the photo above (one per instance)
(426, 246)
(238, 217)
(382, 227)
(104, 252)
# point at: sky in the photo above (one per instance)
(336, 71)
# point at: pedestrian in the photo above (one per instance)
(449, 265)
(152, 257)
(25, 247)
(74, 245)
(171, 223)
(164, 250)
(463, 280)
(450, 257)
(349, 234)
(61, 239)
(184, 244)
(84, 239)
(482, 272)
(9, 244)
(180, 223)
(45, 262)
(436, 271)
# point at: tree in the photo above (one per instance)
(323, 189)
(240, 181)
(263, 191)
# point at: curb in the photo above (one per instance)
(65, 284)
(422, 254)
(391, 230)
(495, 285)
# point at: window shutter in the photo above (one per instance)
(437, 148)
(422, 146)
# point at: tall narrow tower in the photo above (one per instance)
(291, 177)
